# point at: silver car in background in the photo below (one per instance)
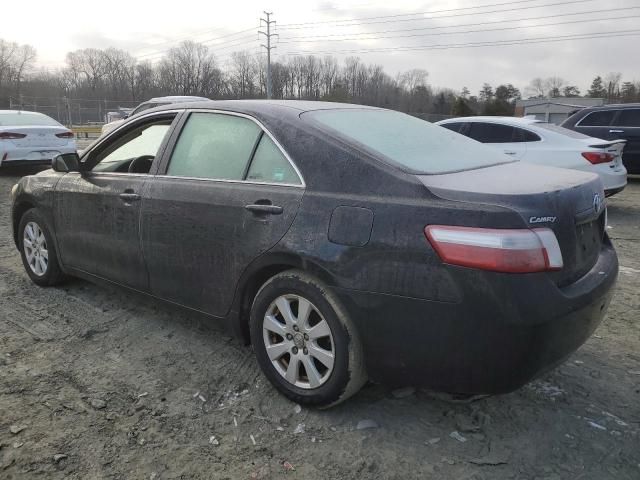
(152, 103)
(32, 138)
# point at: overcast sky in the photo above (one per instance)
(347, 28)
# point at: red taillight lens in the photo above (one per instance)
(11, 135)
(598, 157)
(65, 135)
(498, 250)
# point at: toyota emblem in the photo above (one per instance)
(597, 203)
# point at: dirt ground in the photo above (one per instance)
(101, 383)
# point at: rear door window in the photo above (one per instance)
(269, 165)
(598, 119)
(214, 146)
(522, 135)
(491, 132)
(628, 118)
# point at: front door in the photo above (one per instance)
(229, 193)
(97, 215)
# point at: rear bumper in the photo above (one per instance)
(507, 329)
(612, 191)
(22, 163)
(612, 178)
(33, 155)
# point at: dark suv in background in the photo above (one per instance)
(612, 122)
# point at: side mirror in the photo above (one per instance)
(66, 162)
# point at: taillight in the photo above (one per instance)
(498, 250)
(598, 157)
(65, 135)
(11, 135)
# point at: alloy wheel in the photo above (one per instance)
(35, 248)
(299, 341)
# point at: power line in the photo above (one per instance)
(571, 22)
(475, 24)
(206, 41)
(522, 41)
(302, 26)
(411, 14)
(178, 40)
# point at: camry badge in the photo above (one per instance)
(542, 219)
(597, 203)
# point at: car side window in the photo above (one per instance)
(454, 127)
(142, 141)
(628, 118)
(491, 132)
(598, 119)
(270, 165)
(522, 135)
(214, 146)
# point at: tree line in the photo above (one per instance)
(113, 77)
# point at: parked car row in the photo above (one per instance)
(542, 143)
(344, 242)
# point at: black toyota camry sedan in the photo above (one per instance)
(344, 242)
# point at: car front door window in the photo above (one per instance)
(214, 146)
(144, 141)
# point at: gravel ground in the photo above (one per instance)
(101, 383)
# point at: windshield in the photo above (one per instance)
(561, 130)
(26, 119)
(412, 144)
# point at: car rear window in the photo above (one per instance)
(561, 130)
(26, 119)
(598, 119)
(412, 144)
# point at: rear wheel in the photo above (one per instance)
(38, 251)
(304, 340)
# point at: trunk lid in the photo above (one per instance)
(38, 136)
(570, 203)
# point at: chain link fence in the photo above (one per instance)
(74, 111)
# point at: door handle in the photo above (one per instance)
(129, 197)
(264, 209)
(616, 131)
(509, 152)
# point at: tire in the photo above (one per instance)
(33, 230)
(332, 353)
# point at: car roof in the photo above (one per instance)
(610, 106)
(175, 99)
(27, 112)
(494, 119)
(266, 106)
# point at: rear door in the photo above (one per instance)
(626, 126)
(226, 194)
(503, 137)
(596, 124)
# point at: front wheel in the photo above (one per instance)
(38, 250)
(304, 340)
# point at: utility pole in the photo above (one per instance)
(268, 22)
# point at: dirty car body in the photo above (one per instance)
(376, 231)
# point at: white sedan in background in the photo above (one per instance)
(32, 138)
(534, 141)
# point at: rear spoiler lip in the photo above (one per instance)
(607, 144)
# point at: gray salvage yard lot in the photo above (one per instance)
(101, 383)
